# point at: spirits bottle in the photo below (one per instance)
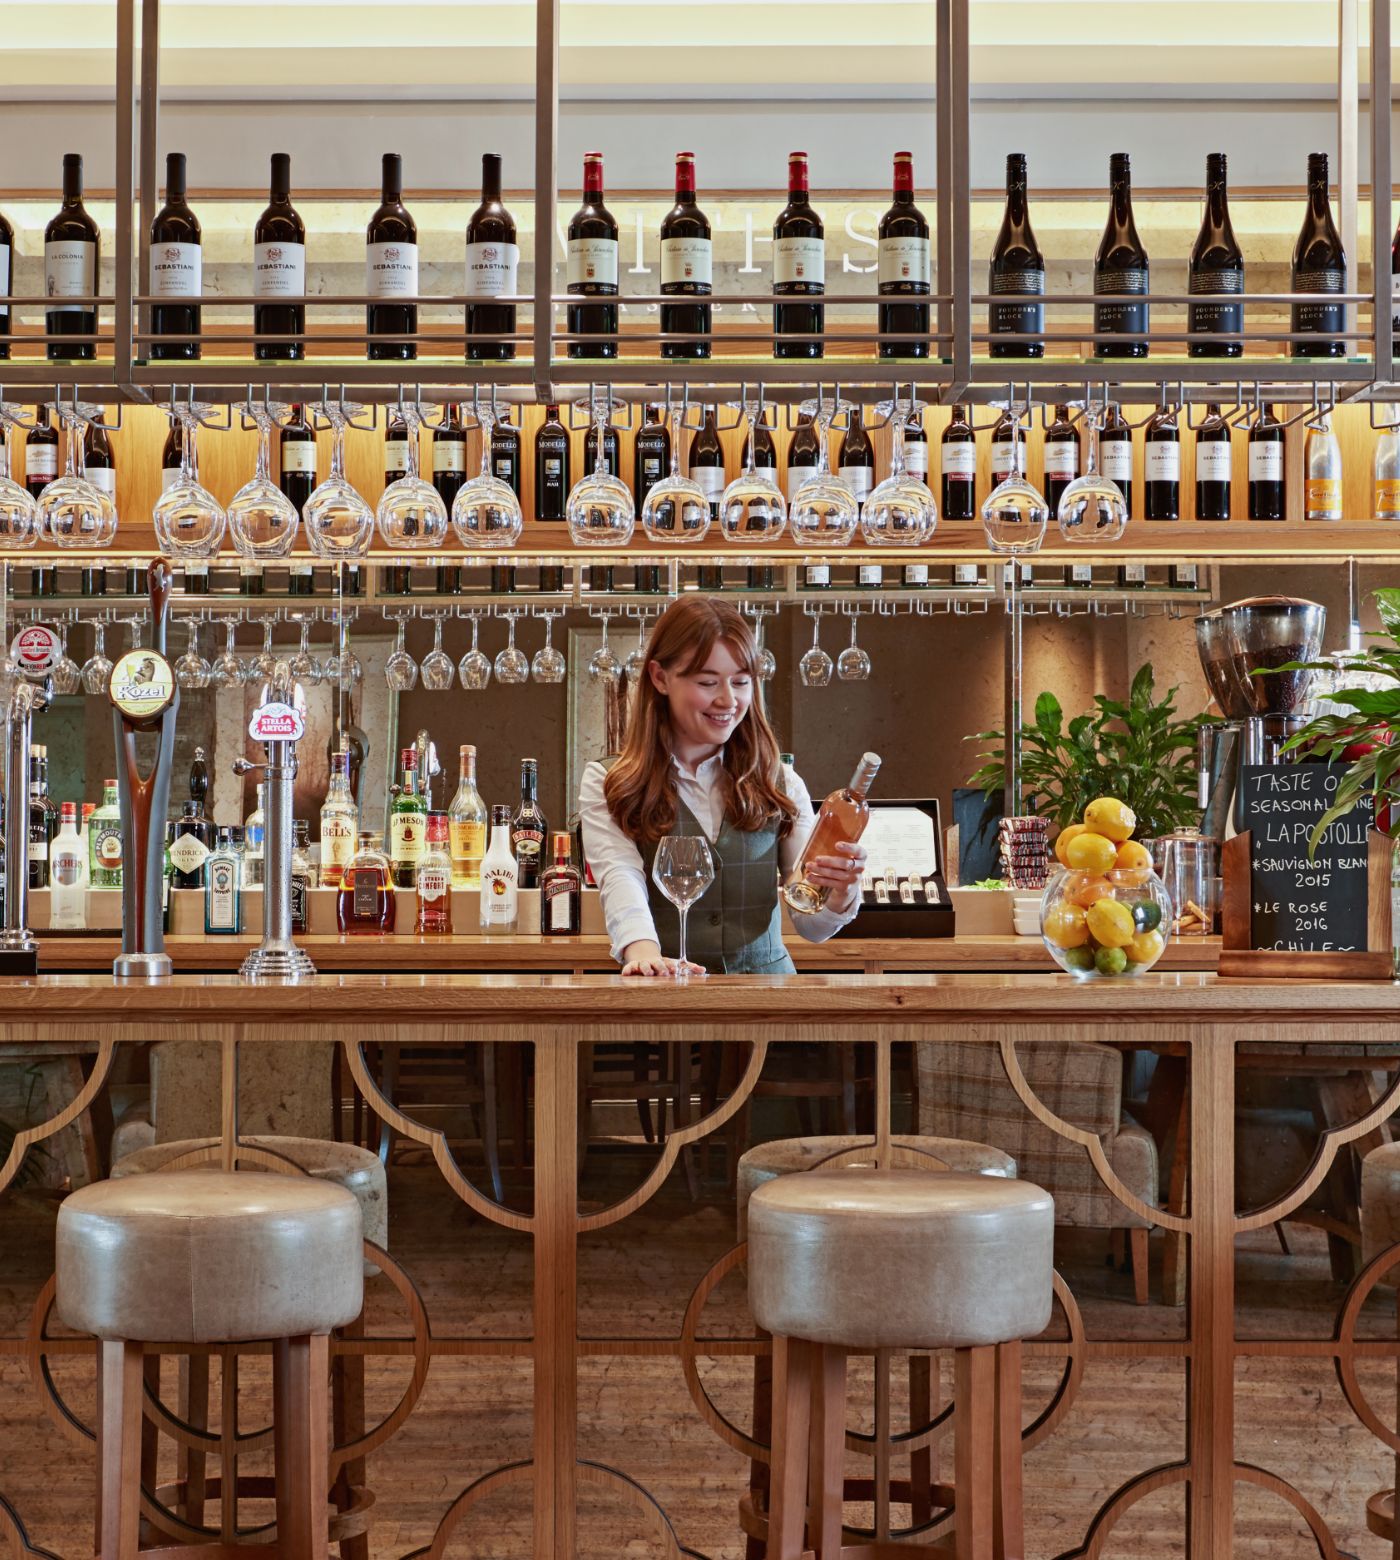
(408, 820)
(66, 899)
(843, 817)
(254, 830)
(500, 880)
(528, 829)
(43, 817)
(303, 877)
(434, 880)
(105, 840)
(365, 903)
(223, 886)
(85, 838)
(561, 893)
(466, 819)
(189, 849)
(340, 822)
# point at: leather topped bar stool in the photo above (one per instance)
(842, 1263)
(208, 1257)
(791, 1156)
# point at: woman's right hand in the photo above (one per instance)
(646, 958)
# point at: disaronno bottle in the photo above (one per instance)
(843, 817)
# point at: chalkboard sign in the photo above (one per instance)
(1317, 903)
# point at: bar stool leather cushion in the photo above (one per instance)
(1380, 1203)
(875, 1259)
(204, 1256)
(764, 1162)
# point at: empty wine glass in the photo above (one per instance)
(824, 511)
(74, 512)
(339, 523)
(97, 669)
(636, 662)
(1015, 513)
(401, 670)
(486, 512)
(305, 667)
(676, 508)
(66, 676)
(603, 665)
(753, 509)
(853, 664)
(474, 669)
(262, 520)
(548, 665)
(192, 670)
(411, 514)
(18, 511)
(1092, 508)
(815, 666)
(601, 511)
(226, 670)
(902, 511)
(438, 668)
(683, 869)
(264, 664)
(767, 661)
(189, 521)
(512, 665)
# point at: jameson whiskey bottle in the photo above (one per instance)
(340, 822)
(408, 823)
(843, 817)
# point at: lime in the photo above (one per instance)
(1147, 915)
(1110, 961)
(1081, 958)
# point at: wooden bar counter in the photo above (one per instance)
(568, 1482)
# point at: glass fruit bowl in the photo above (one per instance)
(1106, 923)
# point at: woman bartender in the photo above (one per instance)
(700, 758)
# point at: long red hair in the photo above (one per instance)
(641, 786)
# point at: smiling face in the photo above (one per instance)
(707, 703)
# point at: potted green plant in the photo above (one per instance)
(1139, 751)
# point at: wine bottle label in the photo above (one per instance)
(221, 896)
(1020, 319)
(966, 574)
(592, 263)
(1388, 499)
(1124, 317)
(559, 900)
(406, 836)
(1324, 498)
(904, 264)
(710, 480)
(916, 458)
(279, 270)
(1161, 460)
(1062, 460)
(800, 260)
(104, 479)
(916, 574)
(1213, 461)
(1319, 318)
(1117, 459)
(449, 455)
(1002, 460)
(4, 281)
(188, 854)
(1081, 574)
(857, 481)
(687, 262)
(1266, 460)
(70, 271)
(960, 461)
(1218, 318)
(468, 840)
(504, 468)
(793, 479)
(396, 454)
(298, 455)
(391, 270)
(177, 270)
(41, 460)
(869, 574)
(818, 574)
(169, 476)
(433, 884)
(492, 269)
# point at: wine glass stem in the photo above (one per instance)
(1093, 423)
(264, 471)
(684, 915)
(676, 430)
(487, 426)
(897, 448)
(338, 451)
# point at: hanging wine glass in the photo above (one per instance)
(411, 515)
(226, 670)
(474, 669)
(264, 664)
(548, 665)
(339, 523)
(192, 670)
(262, 520)
(512, 665)
(853, 664)
(600, 511)
(401, 670)
(486, 512)
(189, 521)
(767, 661)
(603, 665)
(1015, 513)
(74, 512)
(636, 661)
(753, 510)
(438, 668)
(902, 511)
(66, 676)
(824, 512)
(97, 669)
(1092, 507)
(18, 511)
(676, 508)
(305, 667)
(815, 666)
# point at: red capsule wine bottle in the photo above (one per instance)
(1017, 270)
(593, 267)
(1319, 266)
(1216, 270)
(799, 268)
(1120, 267)
(686, 267)
(904, 267)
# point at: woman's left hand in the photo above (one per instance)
(839, 874)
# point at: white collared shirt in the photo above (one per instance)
(616, 861)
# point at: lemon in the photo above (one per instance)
(1110, 817)
(1146, 947)
(1065, 928)
(1063, 838)
(1110, 923)
(1090, 852)
(1132, 855)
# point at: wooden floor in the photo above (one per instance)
(636, 1414)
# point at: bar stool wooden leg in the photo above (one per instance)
(923, 1468)
(191, 1465)
(827, 1457)
(760, 1472)
(1009, 1526)
(792, 1412)
(348, 1416)
(119, 1450)
(299, 1372)
(974, 1439)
